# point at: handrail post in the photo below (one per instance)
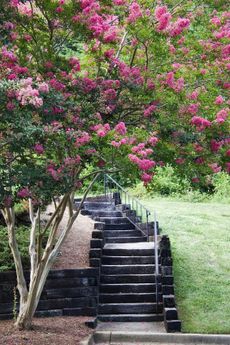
(156, 257)
(147, 223)
(105, 185)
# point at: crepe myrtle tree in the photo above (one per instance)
(109, 84)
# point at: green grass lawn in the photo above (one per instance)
(200, 239)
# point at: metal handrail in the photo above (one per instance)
(138, 204)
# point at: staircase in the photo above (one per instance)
(128, 290)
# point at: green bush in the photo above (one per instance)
(221, 184)
(167, 182)
(6, 258)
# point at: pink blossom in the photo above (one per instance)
(222, 115)
(150, 110)
(23, 193)
(59, 9)
(119, 2)
(74, 63)
(146, 164)
(10, 106)
(180, 160)
(43, 87)
(215, 168)
(228, 153)
(27, 37)
(153, 141)
(215, 145)
(121, 128)
(146, 178)
(194, 95)
(160, 10)
(216, 21)
(115, 143)
(39, 149)
(200, 122)
(25, 9)
(134, 12)
(109, 53)
(193, 108)
(199, 160)
(219, 100)
(150, 84)
(110, 94)
(164, 21)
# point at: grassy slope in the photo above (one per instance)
(200, 238)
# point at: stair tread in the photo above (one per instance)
(144, 245)
(116, 315)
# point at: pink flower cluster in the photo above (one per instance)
(120, 128)
(24, 193)
(82, 138)
(215, 167)
(28, 95)
(163, 17)
(25, 9)
(179, 26)
(176, 85)
(222, 115)
(143, 164)
(150, 110)
(130, 74)
(200, 123)
(134, 12)
(39, 149)
(101, 130)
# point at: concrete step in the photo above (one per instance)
(122, 233)
(130, 317)
(121, 226)
(99, 206)
(128, 297)
(127, 269)
(127, 260)
(128, 278)
(129, 308)
(126, 239)
(112, 220)
(129, 288)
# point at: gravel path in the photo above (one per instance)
(75, 250)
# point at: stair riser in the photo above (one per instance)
(122, 233)
(127, 289)
(126, 240)
(129, 309)
(128, 252)
(118, 220)
(141, 260)
(128, 270)
(121, 226)
(105, 279)
(106, 213)
(128, 298)
(130, 318)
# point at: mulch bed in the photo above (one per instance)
(46, 331)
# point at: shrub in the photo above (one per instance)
(221, 184)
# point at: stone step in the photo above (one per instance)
(127, 252)
(129, 308)
(121, 226)
(129, 288)
(130, 317)
(106, 214)
(87, 311)
(127, 260)
(126, 239)
(99, 206)
(112, 220)
(122, 233)
(127, 269)
(128, 297)
(128, 278)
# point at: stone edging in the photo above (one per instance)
(164, 338)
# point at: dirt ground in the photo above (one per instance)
(46, 331)
(58, 330)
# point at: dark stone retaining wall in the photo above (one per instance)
(171, 319)
(66, 292)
